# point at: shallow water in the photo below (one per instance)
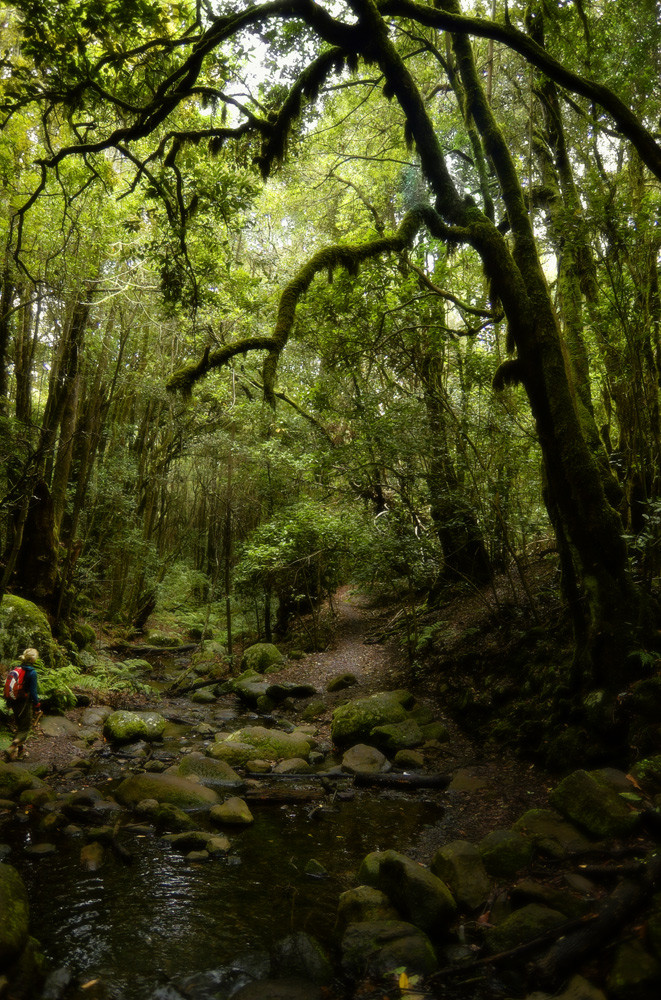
(136, 927)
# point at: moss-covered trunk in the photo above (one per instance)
(464, 552)
(585, 521)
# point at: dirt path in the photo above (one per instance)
(490, 788)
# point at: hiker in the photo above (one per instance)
(22, 695)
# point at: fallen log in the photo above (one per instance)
(279, 796)
(175, 690)
(404, 781)
(408, 782)
(136, 651)
(624, 903)
(505, 957)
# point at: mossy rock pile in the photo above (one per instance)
(397, 893)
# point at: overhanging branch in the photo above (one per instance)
(349, 256)
(626, 121)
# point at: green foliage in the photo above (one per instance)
(55, 686)
(182, 588)
(395, 557)
(305, 550)
(108, 676)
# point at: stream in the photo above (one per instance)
(163, 919)
(157, 925)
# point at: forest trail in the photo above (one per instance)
(355, 648)
(490, 787)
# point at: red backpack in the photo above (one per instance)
(14, 684)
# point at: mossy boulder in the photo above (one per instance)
(313, 710)
(211, 659)
(166, 816)
(267, 744)
(163, 639)
(232, 812)
(563, 900)
(209, 772)
(593, 806)
(299, 954)
(364, 759)
(127, 727)
(505, 852)
(460, 866)
(203, 697)
(14, 779)
(289, 689)
(250, 686)
(23, 624)
(83, 635)
(262, 657)
(409, 760)
(354, 721)
(635, 974)
(523, 925)
(236, 754)
(418, 895)
(551, 834)
(181, 792)
(15, 910)
(397, 736)
(438, 732)
(377, 948)
(364, 903)
(341, 682)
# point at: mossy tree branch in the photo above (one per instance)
(349, 256)
(627, 122)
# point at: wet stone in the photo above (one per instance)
(41, 850)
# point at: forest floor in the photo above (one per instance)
(495, 787)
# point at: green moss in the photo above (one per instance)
(593, 806)
(125, 727)
(505, 852)
(15, 911)
(523, 925)
(23, 624)
(356, 720)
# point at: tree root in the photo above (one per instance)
(626, 900)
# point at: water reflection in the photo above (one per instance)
(139, 925)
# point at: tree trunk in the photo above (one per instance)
(613, 606)
(464, 552)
